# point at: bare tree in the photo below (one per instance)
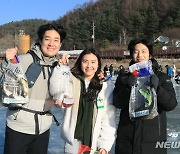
(124, 35)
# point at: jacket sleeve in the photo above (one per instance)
(166, 96)
(121, 94)
(108, 123)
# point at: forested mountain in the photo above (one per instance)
(115, 23)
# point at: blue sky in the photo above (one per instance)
(17, 10)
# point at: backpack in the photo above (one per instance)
(35, 68)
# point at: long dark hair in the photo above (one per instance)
(95, 83)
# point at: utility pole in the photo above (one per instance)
(93, 36)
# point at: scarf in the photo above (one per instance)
(83, 130)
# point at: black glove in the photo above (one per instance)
(154, 81)
(124, 80)
(127, 80)
(132, 80)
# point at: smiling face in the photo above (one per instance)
(50, 43)
(89, 65)
(141, 53)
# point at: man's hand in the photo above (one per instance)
(10, 53)
(132, 80)
(64, 59)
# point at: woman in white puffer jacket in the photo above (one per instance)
(90, 120)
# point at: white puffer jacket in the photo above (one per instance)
(104, 125)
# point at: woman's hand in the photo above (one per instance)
(102, 151)
(101, 75)
(64, 59)
(57, 103)
(60, 104)
(10, 53)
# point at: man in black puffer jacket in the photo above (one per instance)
(141, 136)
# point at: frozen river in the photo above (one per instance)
(56, 144)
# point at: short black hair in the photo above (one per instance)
(43, 28)
(133, 43)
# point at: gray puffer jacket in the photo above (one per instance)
(40, 99)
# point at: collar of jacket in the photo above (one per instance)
(44, 60)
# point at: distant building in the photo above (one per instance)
(168, 42)
(162, 39)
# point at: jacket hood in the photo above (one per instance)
(155, 65)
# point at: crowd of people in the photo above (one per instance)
(90, 121)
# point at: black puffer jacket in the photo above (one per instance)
(140, 137)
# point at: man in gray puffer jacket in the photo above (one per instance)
(28, 128)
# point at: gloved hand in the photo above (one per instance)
(127, 80)
(132, 80)
(154, 81)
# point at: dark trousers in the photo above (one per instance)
(20, 143)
